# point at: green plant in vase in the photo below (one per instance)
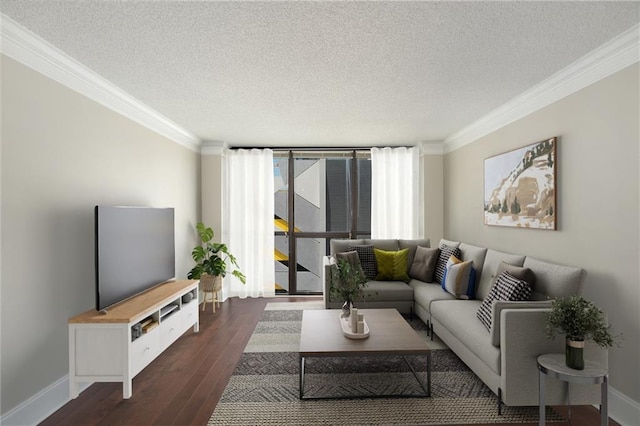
(579, 320)
(211, 258)
(347, 284)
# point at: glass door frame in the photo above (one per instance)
(292, 235)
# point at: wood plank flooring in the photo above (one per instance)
(183, 385)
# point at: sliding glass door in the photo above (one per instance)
(319, 195)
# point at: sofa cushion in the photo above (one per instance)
(459, 279)
(491, 262)
(425, 293)
(412, 246)
(553, 281)
(392, 265)
(499, 305)
(349, 256)
(459, 318)
(386, 291)
(507, 288)
(424, 264)
(449, 243)
(441, 264)
(367, 260)
(339, 245)
(383, 244)
(475, 254)
(520, 272)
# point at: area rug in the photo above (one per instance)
(264, 388)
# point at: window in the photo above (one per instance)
(319, 195)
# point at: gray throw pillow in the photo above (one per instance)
(524, 274)
(424, 264)
(349, 256)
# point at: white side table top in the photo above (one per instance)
(554, 365)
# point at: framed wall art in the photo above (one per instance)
(520, 187)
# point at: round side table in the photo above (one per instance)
(553, 365)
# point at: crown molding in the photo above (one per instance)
(213, 148)
(613, 56)
(29, 49)
(431, 148)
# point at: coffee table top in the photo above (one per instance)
(390, 334)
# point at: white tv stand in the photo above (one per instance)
(111, 347)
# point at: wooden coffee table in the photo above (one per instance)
(390, 335)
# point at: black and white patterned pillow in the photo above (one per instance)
(441, 264)
(507, 288)
(367, 260)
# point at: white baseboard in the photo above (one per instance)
(41, 405)
(622, 409)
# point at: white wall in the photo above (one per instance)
(598, 202)
(61, 155)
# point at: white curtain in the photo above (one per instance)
(249, 210)
(396, 193)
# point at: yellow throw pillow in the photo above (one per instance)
(392, 265)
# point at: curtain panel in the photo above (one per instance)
(396, 193)
(248, 218)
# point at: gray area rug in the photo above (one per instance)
(264, 388)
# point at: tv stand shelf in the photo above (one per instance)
(112, 346)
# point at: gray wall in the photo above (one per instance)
(598, 199)
(211, 193)
(433, 198)
(61, 155)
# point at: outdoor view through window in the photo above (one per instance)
(318, 196)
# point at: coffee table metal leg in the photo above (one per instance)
(301, 377)
(427, 388)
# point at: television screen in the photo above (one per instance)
(135, 250)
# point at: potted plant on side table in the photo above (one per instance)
(579, 320)
(211, 262)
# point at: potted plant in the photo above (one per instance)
(211, 261)
(347, 284)
(579, 320)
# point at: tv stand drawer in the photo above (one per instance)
(144, 350)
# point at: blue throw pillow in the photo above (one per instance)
(460, 279)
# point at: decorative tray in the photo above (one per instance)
(346, 329)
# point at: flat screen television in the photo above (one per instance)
(135, 250)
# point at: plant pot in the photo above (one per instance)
(574, 354)
(210, 283)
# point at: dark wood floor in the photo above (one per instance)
(183, 385)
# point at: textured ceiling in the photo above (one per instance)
(324, 73)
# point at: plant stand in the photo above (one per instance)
(211, 287)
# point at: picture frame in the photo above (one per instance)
(520, 187)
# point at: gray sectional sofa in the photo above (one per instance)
(504, 357)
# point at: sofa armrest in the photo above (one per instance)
(499, 305)
(522, 340)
